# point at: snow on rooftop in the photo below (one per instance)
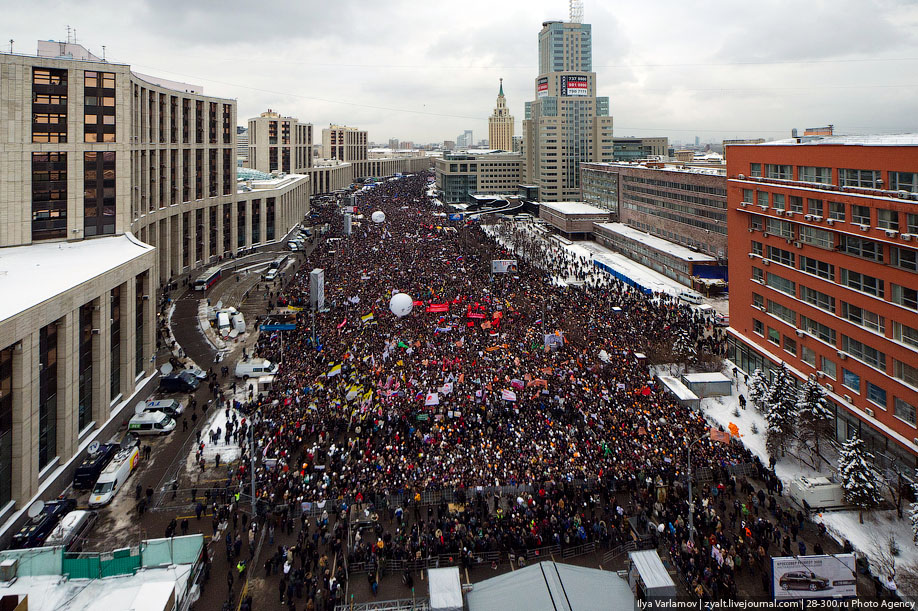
(31, 275)
(667, 167)
(573, 208)
(644, 276)
(670, 248)
(853, 140)
(714, 376)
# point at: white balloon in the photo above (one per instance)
(401, 304)
(379, 216)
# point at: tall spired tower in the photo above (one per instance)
(567, 124)
(500, 124)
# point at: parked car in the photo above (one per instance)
(151, 423)
(88, 471)
(196, 372)
(803, 580)
(179, 382)
(36, 530)
(721, 320)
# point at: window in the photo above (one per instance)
(779, 255)
(98, 193)
(817, 267)
(796, 204)
(904, 258)
(817, 237)
(818, 330)
(808, 356)
(860, 215)
(774, 337)
(790, 345)
(905, 334)
(905, 296)
(814, 174)
(115, 345)
(99, 106)
(861, 247)
(755, 222)
(911, 223)
(851, 380)
(780, 283)
(777, 200)
(863, 318)
(762, 198)
(814, 207)
(757, 274)
(747, 196)
(758, 301)
(783, 312)
(47, 394)
(757, 327)
(903, 181)
(49, 195)
(837, 211)
(863, 352)
(756, 248)
(888, 219)
(781, 228)
(780, 172)
(862, 282)
(905, 411)
(876, 395)
(817, 298)
(755, 170)
(49, 105)
(859, 178)
(827, 367)
(905, 372)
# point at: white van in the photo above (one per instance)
(113, 477)
(238, 322)
(255, 368)
(223, 322)
(690, 297)
(271, 275)
(151, 423)
(70, 531)
(170, 407)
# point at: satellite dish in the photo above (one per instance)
(138, 409)
(36, 508)
(93, 447)
(166, 369)
(220, 305)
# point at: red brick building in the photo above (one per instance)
(823, 263)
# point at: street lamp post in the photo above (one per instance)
(691, 500)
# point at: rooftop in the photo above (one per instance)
(652, 241)
(854, 140)
(666, 167)
(31, 275)
(573, 208)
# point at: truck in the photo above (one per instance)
(817, 493)
(88, 471)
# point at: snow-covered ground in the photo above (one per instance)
(867, 538)
(228, 453)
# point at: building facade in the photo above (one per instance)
(461, 175)
(343, 143)
(500, 124)
(279, 144)
(113, 182)
(566, 124)
(637, 149)
(824, 253)
(687, 206)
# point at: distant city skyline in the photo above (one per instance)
(425, 73)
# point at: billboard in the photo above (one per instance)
(503, 266)
(542, 87)
(575, 85)
(317, 289)
(814, 577)
(347, 224)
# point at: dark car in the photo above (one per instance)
(804, 580)
(88, 471)
(181, 382)
(37, 529)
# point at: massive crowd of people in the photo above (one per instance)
(527, 379)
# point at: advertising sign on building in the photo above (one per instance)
(542, 87)
(574, 85)
(814, 577)
(503, 266)
(317, 289)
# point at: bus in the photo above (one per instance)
(279, 262)
(207, 279)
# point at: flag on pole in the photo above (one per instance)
(367, 318)
(508, 395)
(335, 370)
(343, 322)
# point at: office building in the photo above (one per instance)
(279, 144)
(574, 220)
(566, 124)
(461, 175)
(242, 145)
(113, 182)
(344, 143)
(824, 267)
(638, 149)
(465, 140)
(393, 143)
(500, 124)
(687, 206)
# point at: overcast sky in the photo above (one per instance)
(425, 71)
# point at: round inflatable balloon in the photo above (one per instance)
(401, 304)
(379, 216)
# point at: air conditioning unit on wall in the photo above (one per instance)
(868, 411)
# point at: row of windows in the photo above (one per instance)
(837, 211)
(847, 177)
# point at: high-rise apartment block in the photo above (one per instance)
(279, 144)
(344, 143)
(823, 259)
(500, 124)
(567, 124)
